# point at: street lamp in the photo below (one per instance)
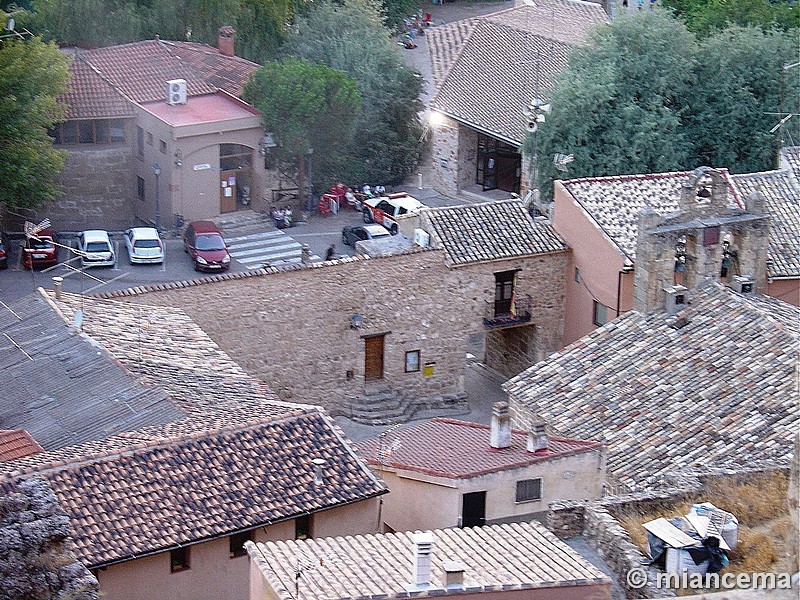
(157, 171)
(310, 200)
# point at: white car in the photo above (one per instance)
(144, 245)
(95, 249)
(385, 209)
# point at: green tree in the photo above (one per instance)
(741, 80)
(306, 106)
(619, 105)
(32, 75)
(350, 37)
(706, 16)
(397, 10)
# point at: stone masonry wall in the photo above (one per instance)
(35, 563)
(291, 326)
(444, 157)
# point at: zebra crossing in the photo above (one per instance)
(271, 247)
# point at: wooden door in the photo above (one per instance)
(473, 509)
(227, 191)
(373, 358)
(503, 292)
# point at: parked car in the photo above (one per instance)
(3, 252)
(96, 249)
(385, 209)
(204, 243)
(357, 233)
(40, 252)
(144, 245)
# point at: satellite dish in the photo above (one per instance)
(531, 127)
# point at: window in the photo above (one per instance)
(140, 187)
(412, 361)
(600, 316)
(577, 275)
(236, 543)
(303, 527)
(529, 490)
(179, 560)
(88, 131)
(149, 139)
(162, 145)
(711, 236)
(140, 141)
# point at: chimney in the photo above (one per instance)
(225, 39)
(501, 426)
(676, 298)
(58, 281)
(423, 547)
(453, 573)
(537, 436)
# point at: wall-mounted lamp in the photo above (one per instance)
(178, 158)
(356, 321)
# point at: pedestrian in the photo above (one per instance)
(639, 4)
(330, 252)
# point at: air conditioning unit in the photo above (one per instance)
(421, 238)
(743, 284)
(677, 298)
(176, 92)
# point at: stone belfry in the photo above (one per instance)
(714, 235)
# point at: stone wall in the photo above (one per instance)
(291, 326)
(444, 157)
(35, 563)
(99, 190)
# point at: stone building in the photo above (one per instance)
(487, 71)
(153, 129)
(350, 333)
(468, 474)
(162, 510)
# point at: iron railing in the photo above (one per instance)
(506, 313)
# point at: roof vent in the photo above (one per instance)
(423, 548)
(677, 298)
(453, 573)
(176, 92)
(743, 284)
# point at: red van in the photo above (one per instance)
(204, 243)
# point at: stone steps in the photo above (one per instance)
(383, 406)
(243, 222)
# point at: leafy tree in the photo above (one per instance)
(705, 16)
(83, 22)
(32, 75)
(398, 10)
(306, 106)
(351, 37)
(619, 105)
(740, 80)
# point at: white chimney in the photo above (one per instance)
(537, 436)
(423, 548)
(676, 298)
(453, 573)
(501, 426)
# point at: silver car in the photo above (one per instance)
(144, 246)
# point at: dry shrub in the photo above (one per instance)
(755, 553)
(763, 498)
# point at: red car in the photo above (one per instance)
(40, 252)
(204, 243)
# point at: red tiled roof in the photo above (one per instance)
(229, 73)
(17, 443)
(89, 97)
(154, 497)
(458, 449)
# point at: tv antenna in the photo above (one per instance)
(562, 160)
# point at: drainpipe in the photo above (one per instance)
(626, 268)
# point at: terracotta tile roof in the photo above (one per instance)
(17, 443)
(62, 388)
(790, 156)
(719, 391)
(105, 80)
(515, 556)
(489, 231)
(782, 194)
(458, 449)
(229, 73)
(147, 499)
(485, 68)
(88, 96)
(614, 203)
